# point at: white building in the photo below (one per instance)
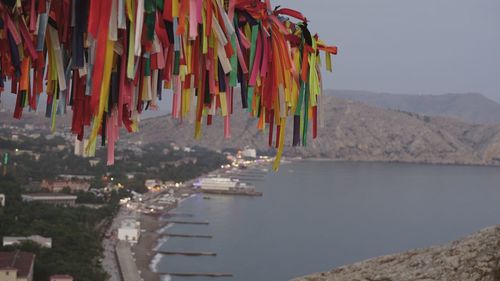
(151, 183)
(249, 152)
(50, 198)
(40, 240)
(216, 183)
(2, 200)
(129, 230)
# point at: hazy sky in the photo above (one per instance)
(403, 46)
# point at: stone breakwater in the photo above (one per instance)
(473, 258)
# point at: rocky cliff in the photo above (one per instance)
(352, 131)
(473, 258)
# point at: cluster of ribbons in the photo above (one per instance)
(110, 59)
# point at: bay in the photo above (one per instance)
(316, 215)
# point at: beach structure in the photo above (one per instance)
(2, 200)
(61, 277)
(50, 198)
(129, 230)
(40, 240)
(16, 266)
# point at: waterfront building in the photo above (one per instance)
(50, 198)
(40, 240)
(129, 230)
(215, 183)
(16, 266)
(61, 277)
(219, 183)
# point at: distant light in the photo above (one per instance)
(112, 179)
(17, 149)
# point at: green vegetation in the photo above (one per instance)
(156, 161)
(76, 234)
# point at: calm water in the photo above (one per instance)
(318, 215)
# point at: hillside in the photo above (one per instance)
(475, 257)
(353, 131)
(471, 108)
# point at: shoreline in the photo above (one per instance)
(150, 239)
(325, 159)
(144, 249)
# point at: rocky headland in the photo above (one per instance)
(473, 258)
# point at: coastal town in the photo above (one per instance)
(134, 203)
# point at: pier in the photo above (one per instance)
(172, 253)
(192, 274)
(240, 191)
(187, 222)
(187, 235)
(185, 215)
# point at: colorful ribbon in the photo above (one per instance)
(109, 60)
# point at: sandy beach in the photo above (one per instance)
(143, 251)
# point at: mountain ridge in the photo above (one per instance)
(473, 108)
(353, 131)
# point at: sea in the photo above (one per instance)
(317, 215)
